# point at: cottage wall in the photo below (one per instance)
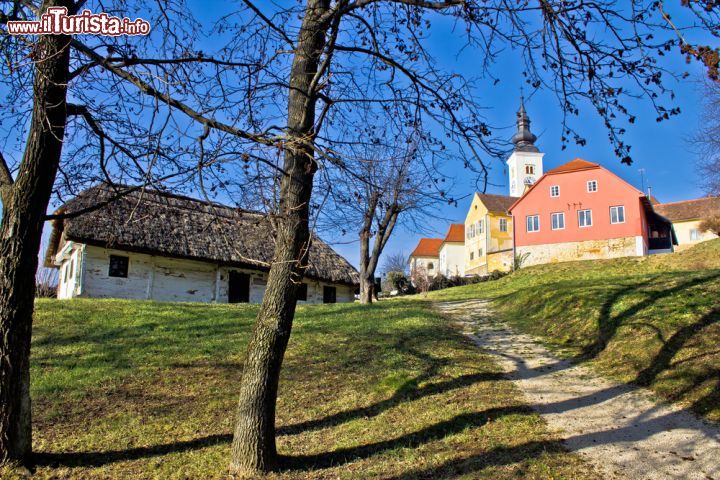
(164, 279)
(685, 235)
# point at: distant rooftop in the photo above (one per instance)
(573, 165)
(689, 209)
(427, 247)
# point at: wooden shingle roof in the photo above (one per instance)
(149, 221)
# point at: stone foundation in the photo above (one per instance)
(586, 250)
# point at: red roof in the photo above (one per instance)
(456, 233)
(427, 247)
(573, 165)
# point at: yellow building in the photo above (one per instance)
(488, 234)
(686, 217)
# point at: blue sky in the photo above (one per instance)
(663, 149)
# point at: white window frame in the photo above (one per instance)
(594, 183)
(553, 189)
(503, 225)
(617, 208)
(585, 217)
(527, 223)
(552, 220)
(695, 235)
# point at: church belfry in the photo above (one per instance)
(525, 165)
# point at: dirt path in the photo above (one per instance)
(620, 429)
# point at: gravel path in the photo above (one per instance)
(618, 428)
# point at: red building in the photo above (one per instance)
(582, 211)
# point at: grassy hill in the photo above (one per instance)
(128, 389)
(652, 321)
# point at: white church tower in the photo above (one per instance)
(525, 165)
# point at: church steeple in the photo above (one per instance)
(525, 165)
(524, 139)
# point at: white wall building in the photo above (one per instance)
(171, 248)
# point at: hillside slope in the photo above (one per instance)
(652, 321)
(136, 389)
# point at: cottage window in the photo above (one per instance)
(592, 186)
(617, 214)
(302, 292)
(558, 221)
(118, 266)
(503, 224)
(555, 191)
(431, 265)
(694, 234)
(533, 223)
(585, 218)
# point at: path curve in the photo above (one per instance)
(618, 428)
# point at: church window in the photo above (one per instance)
(530, 169)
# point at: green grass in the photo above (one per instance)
(652, 321)
(127, 389)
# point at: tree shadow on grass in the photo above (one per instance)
(100, 458)
(608, 324)
(409, 391)
(415, 439)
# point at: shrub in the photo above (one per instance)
(711, 224)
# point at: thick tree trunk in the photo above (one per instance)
(24, 204)
(253, 448)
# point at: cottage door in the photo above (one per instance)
(329, 295)
(238, 287)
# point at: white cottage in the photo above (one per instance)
(159, 246)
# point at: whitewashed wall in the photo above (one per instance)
(162, 278)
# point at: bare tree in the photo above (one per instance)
(381, 186)
(420, 279)
(707, 142)
(395, 262)
(280, 104)
(103, 135)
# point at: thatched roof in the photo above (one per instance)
(148, 221)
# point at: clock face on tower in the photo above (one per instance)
(529, 180)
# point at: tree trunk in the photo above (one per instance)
(24, 205)
(253, 448)
(367, 275)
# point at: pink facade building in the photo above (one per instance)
(581, 211)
